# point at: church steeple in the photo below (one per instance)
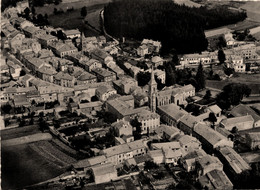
(82, 40)
(152, 92)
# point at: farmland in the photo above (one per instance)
(23, 166)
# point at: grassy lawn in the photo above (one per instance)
(22, 166)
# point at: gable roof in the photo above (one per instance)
(103, 169)
(242, 110)
(236, 120)
(173, 111)
(166, 145)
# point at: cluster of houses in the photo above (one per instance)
(82, 75)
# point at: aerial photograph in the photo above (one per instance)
(130, 94)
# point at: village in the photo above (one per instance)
(85, 93)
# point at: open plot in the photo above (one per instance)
(22, 166)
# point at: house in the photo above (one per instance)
(28, 45)
(104, 92)
(160, 75)
(172, 156)
(187, 123)
(243, 110)
(101, 56)
(46, 39)
(229, 39)
(84, 164)
(210, 138)
(241, 123)
(117, 70)
(88, 108)
(123, 127)
(72, 33)
(237, 63)
(188, 161)
(157, 156)
(215, 109)
(64, 79)
(90, 64)
(35, 64)
(233, 162)
(206, 164)
(150, 121)
(174, 145)
(125, 85)
(247, 51)
(253, 140)
(215, 179)
(86, 78)
(154, 46)
(171, 113)
(167, 132)
(157, 61)
(188, 142)
(14, 39)
(138, 161)
(142, 50)
(62, 49)
(60, 63)
(137, 147)
(117, 154)
(104, 173)
(33, 32)
(14, 69)
(104, 75)
(46, 73)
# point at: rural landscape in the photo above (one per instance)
(130, 94)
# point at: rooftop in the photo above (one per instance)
(234, 159)
(167, 145)
(136, 144)
(189, 120)
(90, 162)
(173, 111)
(103, 72)
(254, 136)
(115, 150)
(242, 110)
(103, 169)
(236, 120)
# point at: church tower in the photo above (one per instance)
(82, 41)
(152, 92)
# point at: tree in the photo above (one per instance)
(33, 10)
(22, 122)
(27, 12)
(83, 11)
(22, 73)
(148, 165)
(138, 130)
(200, 78)
(6, 108)
(55, 11)
(221, 56)
(234, 130)
(143, 78)
(170, 74)
(212, 118)
(207, 95)
(222, 42)
(229, 71)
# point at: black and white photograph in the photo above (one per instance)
(130, 94)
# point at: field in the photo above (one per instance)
(251, 80)
(48, 9)
(19, 132)
(23, 166)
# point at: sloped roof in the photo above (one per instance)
(103, 169)
(236, 120)
(242, 110)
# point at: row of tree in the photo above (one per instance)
(176, 26)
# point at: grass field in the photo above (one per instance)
(22, 166)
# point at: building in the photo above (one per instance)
(167, 132)
(104, 92)
(153, 46)
(210, 138)
(64, 79)
(142, 50)
(187, 123)
(125, 86)
(123, 127)
(188, 142)
(171, 113)
(215, 109)
(86, 78)
(174, 145)
(206, 164)
(160, 75)
(33, 32)
(46, 39)
(137, 147)
(90, 64)
(85, 164)
(244, 110)
(253, 140)
(14, 69)
(72, 33)
(233, 162)
(89, 108)
(189, 160)
(157, 61)
(46, 73)
(150, 121)
(215, 180)
(101, 56)
(241, 123)
(62, 49)
(104, 75)
(157, 156)
(104, 173)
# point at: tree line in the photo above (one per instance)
(176, 26)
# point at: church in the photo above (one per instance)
(169, 95)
